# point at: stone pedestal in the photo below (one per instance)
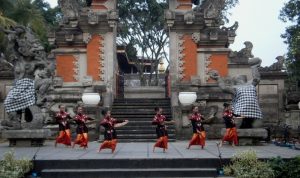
(250, 136)
(26, 137)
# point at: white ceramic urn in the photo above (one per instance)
(187, 98)
(91, 98)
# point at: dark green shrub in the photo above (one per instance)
(12, 168)
(246, 165)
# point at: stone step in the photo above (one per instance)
(141, 136)
(132, 163)
(139, 106)
(167, 104)
(150, 116)
(132, 112)
(140, 113)
(142, 131)
(149, 140)
(141, 127)
(142, 100)
(140, 123)
(113, 172)
(133, 119)
(138, 110)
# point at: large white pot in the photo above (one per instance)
(91, 98)
(187, 98)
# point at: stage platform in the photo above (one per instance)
(137, 159)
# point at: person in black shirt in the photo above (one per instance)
(231, 132)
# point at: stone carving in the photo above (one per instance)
(69, 37)
(5, 66)
(196, 37)
(242, 56)
(92, 17)
(213, 34)
(86, 37)
(43, 82)
(170, 17)
(245, 101)
(102, 59)
(87, 81)
(112, 17)
(207, 62)
(180, 57)
(76, 68)
(189, 17)
(32, 71)
(231, 31)
(213, 8)
(70, 10)
(276, 67)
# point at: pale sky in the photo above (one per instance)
(258, 23)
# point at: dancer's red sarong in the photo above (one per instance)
(64, 137)
(231, 135)
(109, 144)
(82, 140)
(162, 142)
(198, 139)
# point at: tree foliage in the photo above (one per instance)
(142, 27)
(291, 13)
(37, 14)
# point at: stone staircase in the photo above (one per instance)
(140, 113)
(160, 167)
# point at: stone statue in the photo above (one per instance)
(243, 55)
(43, 81)
(277, 66)
(245, 103)
(70, 10)
(27, 56)
(211, 8)
(5, 66)
(11, 37)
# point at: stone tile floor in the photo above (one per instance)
(143, 151)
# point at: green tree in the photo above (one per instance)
(37, 14)
(291, 13)
(142, 27)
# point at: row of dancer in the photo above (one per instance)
(110, 135)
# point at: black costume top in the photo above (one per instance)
(108, 123)
(62, 118)
(228, 118)
(159, 121)
(196, 119)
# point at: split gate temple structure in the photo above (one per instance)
(86, 61)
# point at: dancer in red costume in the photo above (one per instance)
(231, 132)
(110, 135)
(161, 129)
(81, 130)
(199, 134)
(63, 118)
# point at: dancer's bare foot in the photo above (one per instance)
(233, 145)
(153, 149)
(188, 147)
(73, 145)
(220, 144)
(55, 144)
(164, 150)
(202, 147)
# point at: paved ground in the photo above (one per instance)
(142, 150)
